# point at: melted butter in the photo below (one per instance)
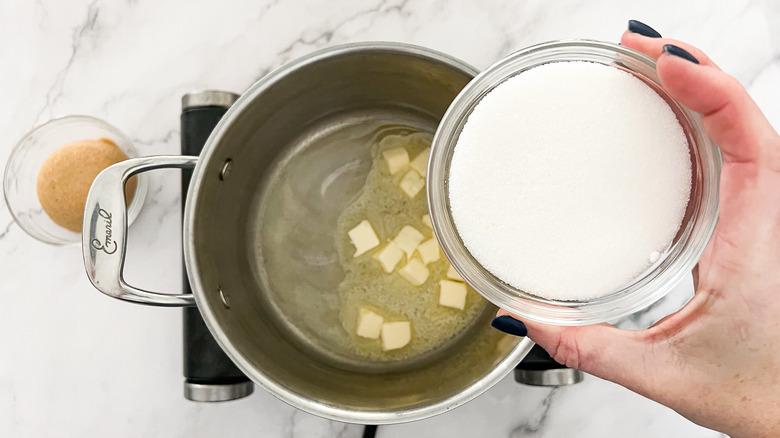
(365, 284)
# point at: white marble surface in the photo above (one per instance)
(75, 363)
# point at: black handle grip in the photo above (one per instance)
(538, 360)
(204, 361)
(539, 369)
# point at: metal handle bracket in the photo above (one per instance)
(104, 236)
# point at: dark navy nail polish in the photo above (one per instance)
(642, 29)
(509, 325)
(676, 51)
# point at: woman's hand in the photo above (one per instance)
(717, 360)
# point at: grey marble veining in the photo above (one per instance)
(76, 363)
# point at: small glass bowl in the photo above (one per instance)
(661, 278)
(21, 173)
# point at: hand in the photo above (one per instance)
(717, 360)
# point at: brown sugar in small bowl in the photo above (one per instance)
(50, 170)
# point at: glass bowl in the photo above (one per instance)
(657, 281)
(21, 173)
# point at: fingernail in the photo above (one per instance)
(676, 51)
(509, 325)
(642, 29)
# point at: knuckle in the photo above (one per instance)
(566, 351)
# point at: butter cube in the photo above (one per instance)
(414, 272)
(426, 220)
(363, 237)
(420, 162)
(389, 256)
(412, 183)
(396, 334)
(408, 238)
(369, 323)
(429, 251)
(452, 294)
(397, 159)
(453, 274)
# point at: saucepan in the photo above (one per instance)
(272, 134)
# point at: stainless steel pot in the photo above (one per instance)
(277, 119)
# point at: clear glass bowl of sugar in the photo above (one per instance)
(665, 268)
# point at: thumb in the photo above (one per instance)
(620, 356)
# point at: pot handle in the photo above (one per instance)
(104, 235)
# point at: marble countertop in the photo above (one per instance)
(75, 363)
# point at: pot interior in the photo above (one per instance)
(295, 150)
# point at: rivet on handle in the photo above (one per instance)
(226, 169)
(224, 297)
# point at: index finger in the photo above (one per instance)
(654, 47)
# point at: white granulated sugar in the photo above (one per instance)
(568, 179)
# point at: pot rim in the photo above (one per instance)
(275, 388)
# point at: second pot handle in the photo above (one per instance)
(105, 230)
